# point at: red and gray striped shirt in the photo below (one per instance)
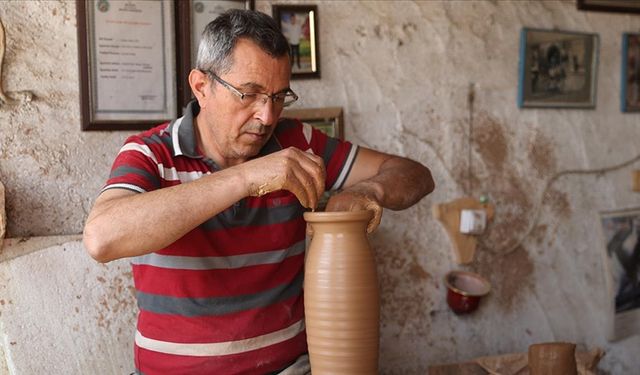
(227, 297)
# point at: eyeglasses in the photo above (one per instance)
(280, 99)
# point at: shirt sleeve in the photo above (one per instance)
(338, 155)
(135, 168)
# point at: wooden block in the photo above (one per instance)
(464, 245)
(636, 181)
(3, 216)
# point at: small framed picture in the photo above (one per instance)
(328, 120)
(621, 232)
(557, 69)
(630, 95)
(299, 25)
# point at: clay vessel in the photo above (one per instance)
(553, 358)
(464, 290)
(341, 298)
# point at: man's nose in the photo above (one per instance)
(267, 112)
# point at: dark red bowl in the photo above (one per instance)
(464, 290)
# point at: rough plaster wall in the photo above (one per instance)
(51, 170)
(401, 70)
(66, 315)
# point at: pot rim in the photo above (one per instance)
(474, 275)
(337, 216)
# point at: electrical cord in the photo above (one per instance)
(536, 216)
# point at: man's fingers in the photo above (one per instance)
(309, 171)
(377, 217)
(307, 184)
(299, 191)
(317, 171)
(301, 173)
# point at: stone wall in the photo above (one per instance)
(402, 72)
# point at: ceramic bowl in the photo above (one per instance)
(464, 290)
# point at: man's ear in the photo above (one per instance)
(199, 81)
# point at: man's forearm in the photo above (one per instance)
(136, 224)
(399, 184)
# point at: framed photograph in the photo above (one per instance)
(557, 69)
(329, 120)
(299, 24)
(630, 95)
(625, 6)
(127, 61)
(621, 233)
(192, 17)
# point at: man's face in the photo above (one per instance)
(233, 130)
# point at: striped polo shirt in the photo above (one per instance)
(227, 297)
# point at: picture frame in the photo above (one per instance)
(630, 77)
(122, 88)
(557, 69)
(329, 120)
(622, 6)
(192, 16)
(621, 234)
(299, 23)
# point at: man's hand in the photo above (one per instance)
(299, 172)
(357, 198)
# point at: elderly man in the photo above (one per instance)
(209, 207)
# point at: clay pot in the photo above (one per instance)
(464, 290)
(341, 298)
(553, 358)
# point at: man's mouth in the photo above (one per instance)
(256, 135)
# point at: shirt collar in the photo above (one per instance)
(183, 134)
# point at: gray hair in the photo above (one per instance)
(220, 36)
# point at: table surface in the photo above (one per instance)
(467, 368)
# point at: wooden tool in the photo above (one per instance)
(448, 214)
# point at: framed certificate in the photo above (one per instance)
(127, 61)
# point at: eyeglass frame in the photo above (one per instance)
(242, 95)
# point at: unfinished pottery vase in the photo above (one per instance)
(341, 298)
(552, 358)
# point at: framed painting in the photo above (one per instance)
(630, 93)
(299, 23)
(624, 6)
(557, 69)
(192, 16)
(328, 120)
(621, 232)
(127, 60)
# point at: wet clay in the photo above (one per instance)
(341, 298)
(554, 358)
